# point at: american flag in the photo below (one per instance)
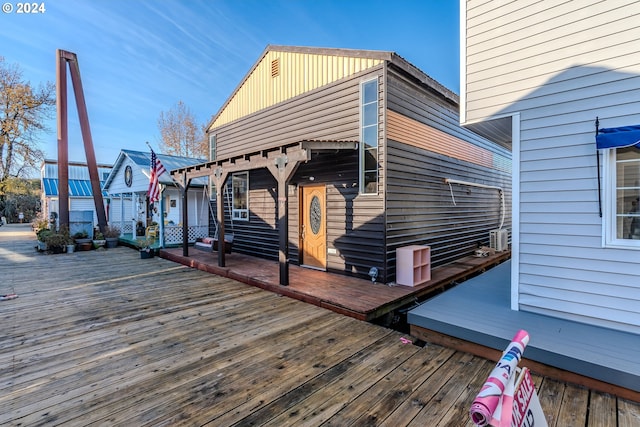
(156, 169)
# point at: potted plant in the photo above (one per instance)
(42, 235)
(70, 244)
(98, 240)
(111, 235)
(56, 242)
(41, 227)
(82, 240)
(144, 246)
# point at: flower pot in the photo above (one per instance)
(56, 249)
(71, 249)
(112, 242)
(146, 254)
(85, 246)
(99, 243)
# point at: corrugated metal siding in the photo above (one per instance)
(355, 225)
(259, 235)
(412, 132)
(421, 209)
(571, 62)
(297, 73)
(425, 146)
(327, 113)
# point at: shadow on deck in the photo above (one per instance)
(476, 317)
(347, 295)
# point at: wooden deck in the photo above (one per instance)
(105, 338)
(476, 316)
(351, 296)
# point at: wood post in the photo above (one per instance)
(219, 179)
(282, 170)
(64, 57)
(184, 190)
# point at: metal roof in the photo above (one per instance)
(143, 161)
(77, 187)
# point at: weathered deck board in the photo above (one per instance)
(347, 295)
(104, 338)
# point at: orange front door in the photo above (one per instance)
(313, 227)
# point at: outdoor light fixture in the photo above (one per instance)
(373, 273)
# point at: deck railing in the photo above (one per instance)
(173, 234)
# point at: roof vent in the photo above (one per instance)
(275, 67)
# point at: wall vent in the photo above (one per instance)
(275, 67)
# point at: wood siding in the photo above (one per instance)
(570, 63)
(425, 146)
(280, 76)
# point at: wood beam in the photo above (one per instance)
(65, 57)
(282, 169)
(219, 178)
(184, 190)
(63, 140)
(231, 165)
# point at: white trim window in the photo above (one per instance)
(240, 196)
(212, 147)
(369, 137)
(622, 202)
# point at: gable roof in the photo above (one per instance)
(143, 161)
(290, 71)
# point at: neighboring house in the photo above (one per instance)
(535, 78)
(80, 193)
(127, 186)
(334, 158)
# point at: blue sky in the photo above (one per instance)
(138, 57)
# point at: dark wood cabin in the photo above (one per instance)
(363, 143)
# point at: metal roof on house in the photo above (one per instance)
(77, 187)
(320, 66)
(143, 161)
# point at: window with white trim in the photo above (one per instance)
(622, 210)
(212, 147)
(369, 137)
(240, 196)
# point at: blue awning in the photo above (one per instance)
(625, 136)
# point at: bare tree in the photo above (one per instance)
(180, 135)
(23, 112)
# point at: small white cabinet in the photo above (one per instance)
(413, 265)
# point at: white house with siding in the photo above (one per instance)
(534, 77)
(127, 185)
(80, 192)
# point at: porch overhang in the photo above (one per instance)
(296, 152)
(281, 161)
